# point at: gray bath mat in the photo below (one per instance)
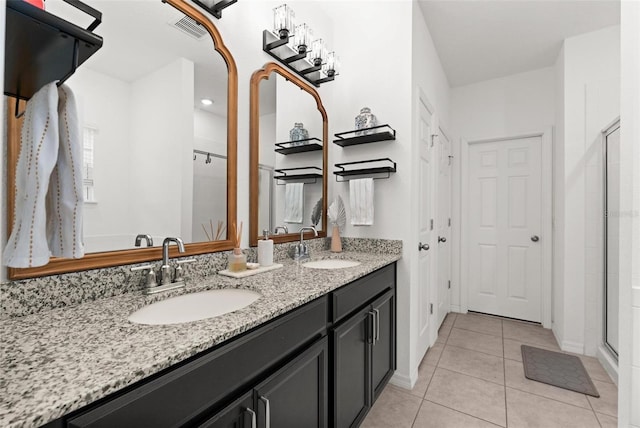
(557, 369)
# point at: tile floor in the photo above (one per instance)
(473, 377)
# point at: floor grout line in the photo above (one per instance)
(461, 412)
(479, 352)
(504, 370)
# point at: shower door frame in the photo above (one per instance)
(610, 129)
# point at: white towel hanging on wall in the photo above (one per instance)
(65, 197)
(361, 201)
(41, 218)
(293, 202)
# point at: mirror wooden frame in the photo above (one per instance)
(254, 153)
(123, 257)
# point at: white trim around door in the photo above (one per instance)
(546, 212)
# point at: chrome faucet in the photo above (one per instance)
(167, 282)
(165, 270)
(278, 228)
(301, 251)
(146, 237)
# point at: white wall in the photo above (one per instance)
(159, 120)
(508, 106)
(558, 200)
(629, 362)
(209, 181)
(591, 82)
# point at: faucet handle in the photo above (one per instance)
(179, 272)
(143, 267)
(150, 275)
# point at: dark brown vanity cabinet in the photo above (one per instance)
(320, 365)
(294, 396)
(364, 348)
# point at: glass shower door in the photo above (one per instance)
(612, 226)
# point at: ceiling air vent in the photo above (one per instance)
(190, 27)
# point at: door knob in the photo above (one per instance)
(535, 238)
(422, 246)
(442, 239)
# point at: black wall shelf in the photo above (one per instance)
(215, 9)
(381, 171)
(299, 146)
(352, 138)
(296, 62)
(41, 48)
(306, 176)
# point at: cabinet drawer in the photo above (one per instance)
(184, 393)
(353, 296)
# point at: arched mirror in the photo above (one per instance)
(158, 112)
(288, 160)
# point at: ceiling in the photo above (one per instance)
(485, 39)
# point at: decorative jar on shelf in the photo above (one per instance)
(298, 133)
(365, 120)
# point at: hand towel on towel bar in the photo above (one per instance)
(361, 201)
(293, 202)
(38, 215)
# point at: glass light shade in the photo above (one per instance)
(332, 66)
(283, 21)
(318, 52)
(303, 34)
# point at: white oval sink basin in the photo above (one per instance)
(194, 307)
(331, 264)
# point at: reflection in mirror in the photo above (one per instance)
(288, 156)
(285, 111)
(157, 160)
(155, 155)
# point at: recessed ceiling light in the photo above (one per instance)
(206, 101)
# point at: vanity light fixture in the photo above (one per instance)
(303, 36)
(206, 101)
(283, 21)
(318, 53)
(214, 7)
(295, 47)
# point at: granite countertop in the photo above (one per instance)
(60, 360)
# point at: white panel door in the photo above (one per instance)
(504, 226)
(425, 229)
(444, 226)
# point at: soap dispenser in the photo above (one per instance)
(265, 250)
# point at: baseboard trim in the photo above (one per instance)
(608, 362)
(455, 308)
(404, 381)
(574, 347)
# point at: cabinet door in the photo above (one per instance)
(296, 395)
(351, 379)
(239, 414)
(383, 354)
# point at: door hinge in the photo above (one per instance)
(433, 136)
(431, 308)
(449, 222)
(431, 223)
(449, 284)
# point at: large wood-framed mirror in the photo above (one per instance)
(288, 170)
(163, 163)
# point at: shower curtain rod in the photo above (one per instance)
(215, 155)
